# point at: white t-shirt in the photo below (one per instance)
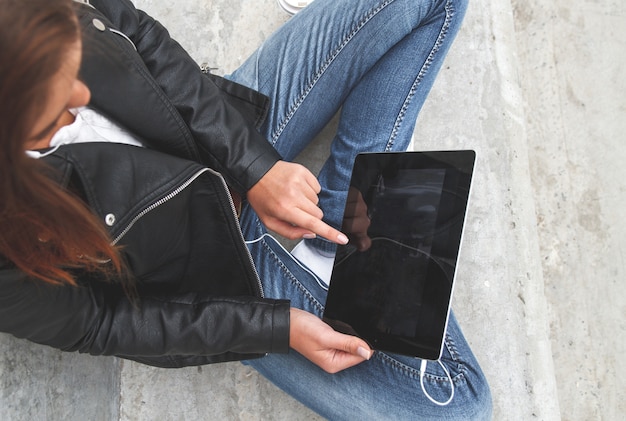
(89, 126)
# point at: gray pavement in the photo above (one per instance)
(537, 89)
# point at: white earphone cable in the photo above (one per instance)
(422, 370)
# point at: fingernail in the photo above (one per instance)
(309, 236)
(363, 353)
(342, 239)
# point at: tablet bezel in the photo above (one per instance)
(342, 291)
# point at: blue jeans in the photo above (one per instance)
(376, 60)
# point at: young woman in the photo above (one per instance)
(120, 230)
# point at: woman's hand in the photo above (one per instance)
(285, 199)
(321, 344)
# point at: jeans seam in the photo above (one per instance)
(293, 279)
(451, 347)
(322, 68)
(414, 373)
(449, 9)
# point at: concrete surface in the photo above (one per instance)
(537, 89)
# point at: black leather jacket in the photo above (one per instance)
(199, 299)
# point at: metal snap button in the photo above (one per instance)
(109, 219)
(98, 24)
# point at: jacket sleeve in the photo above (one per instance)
(97, 319)
(220, 114)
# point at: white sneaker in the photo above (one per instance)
(293, 6)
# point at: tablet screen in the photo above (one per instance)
(392, 283)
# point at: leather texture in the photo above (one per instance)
(167, 206)
(159, 92)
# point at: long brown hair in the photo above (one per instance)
(44, 230)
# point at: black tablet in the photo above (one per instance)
(392, 283)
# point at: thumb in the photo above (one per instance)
(359, 347)
(365, 353)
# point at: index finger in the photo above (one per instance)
(319, 227)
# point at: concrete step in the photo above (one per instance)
(573, 59)
(537, 91)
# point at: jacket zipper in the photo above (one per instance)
(243, 240)
(158, 203)
(177, 191)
